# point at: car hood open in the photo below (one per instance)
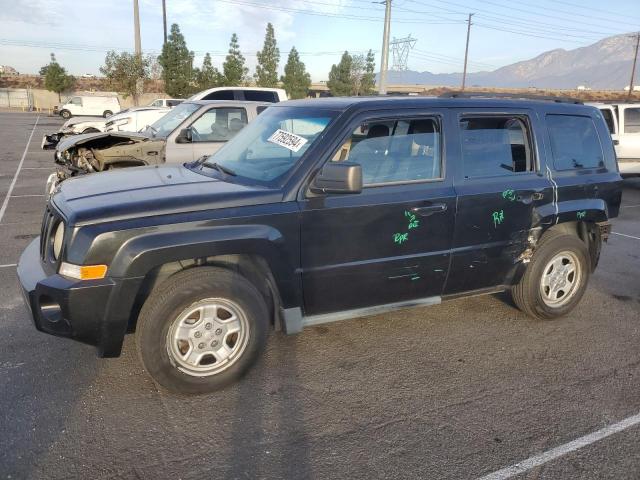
(83, 139)
(150, 191)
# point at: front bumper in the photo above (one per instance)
(95, 312)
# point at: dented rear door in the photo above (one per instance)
(500, 184)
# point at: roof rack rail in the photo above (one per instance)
(522, 96)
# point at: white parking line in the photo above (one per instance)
(36, 168)
(15, 177)
(630, 206)
(625, 235)
(562, 450)
(9, 265)
(28, 195)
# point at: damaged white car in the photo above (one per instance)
(187, 132)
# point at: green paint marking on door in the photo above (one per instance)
(400, 238)
(581, 214)
(509, 194)
(498, 218)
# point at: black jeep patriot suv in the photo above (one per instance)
(324, 210)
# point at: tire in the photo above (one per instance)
(535, 294)
(66, 114)
(175, 314)
(107, 113)
(90, 130)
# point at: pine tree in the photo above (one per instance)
(177, 65)
(268, 59)
(340, 80)
(233, 66)
(56, 78)
(208, 76)
(296, 79)
(124, 70)
(368, 81)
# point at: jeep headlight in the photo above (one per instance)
(58, 237)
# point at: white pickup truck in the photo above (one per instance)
(623, 120)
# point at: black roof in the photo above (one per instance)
(383, 102)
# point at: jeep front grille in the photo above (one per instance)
(48, 222)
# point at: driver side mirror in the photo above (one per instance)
(338, 177)
(184, 136)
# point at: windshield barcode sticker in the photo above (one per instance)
(287, 140)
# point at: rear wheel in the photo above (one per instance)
(90, 130)
(107, 113)
(201, 330)
(66, 114)
(556, 278)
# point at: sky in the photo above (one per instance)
(502, 32)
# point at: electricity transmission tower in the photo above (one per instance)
(400, 48)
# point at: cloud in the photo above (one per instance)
(34, 12)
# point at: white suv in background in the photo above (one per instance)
(165, 102)
(623, 120)
(245, 94)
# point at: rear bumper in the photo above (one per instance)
(94, 312)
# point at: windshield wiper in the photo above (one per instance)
(220, 168)
(153, 130)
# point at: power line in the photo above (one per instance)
(547, 27)
(321, 14)
(100, 48)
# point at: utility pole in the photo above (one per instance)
(138, 48)
(384, 61)
(466, 51)
(633, 69)
(164, 19)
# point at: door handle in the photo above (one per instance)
(430, 209)
(530, 197)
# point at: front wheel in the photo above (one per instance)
(107, 113)
(66, 114)
(556, 278)
(201, 330)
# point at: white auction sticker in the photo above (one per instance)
(287, 140)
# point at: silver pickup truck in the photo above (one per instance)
(184, 134)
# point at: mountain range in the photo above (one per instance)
(605, 64)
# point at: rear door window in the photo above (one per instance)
(574, 142)
(220, 95)
(632, 120)
(496, 145)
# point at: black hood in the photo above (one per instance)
(148, 191)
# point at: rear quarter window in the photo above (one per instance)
(575, 143)
(260, 96)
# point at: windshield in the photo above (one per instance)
(169, 122)
(273, 143)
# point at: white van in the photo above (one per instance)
(89, 106)
(623, 120)
(243, 94)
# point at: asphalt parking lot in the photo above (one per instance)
(454, 391)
